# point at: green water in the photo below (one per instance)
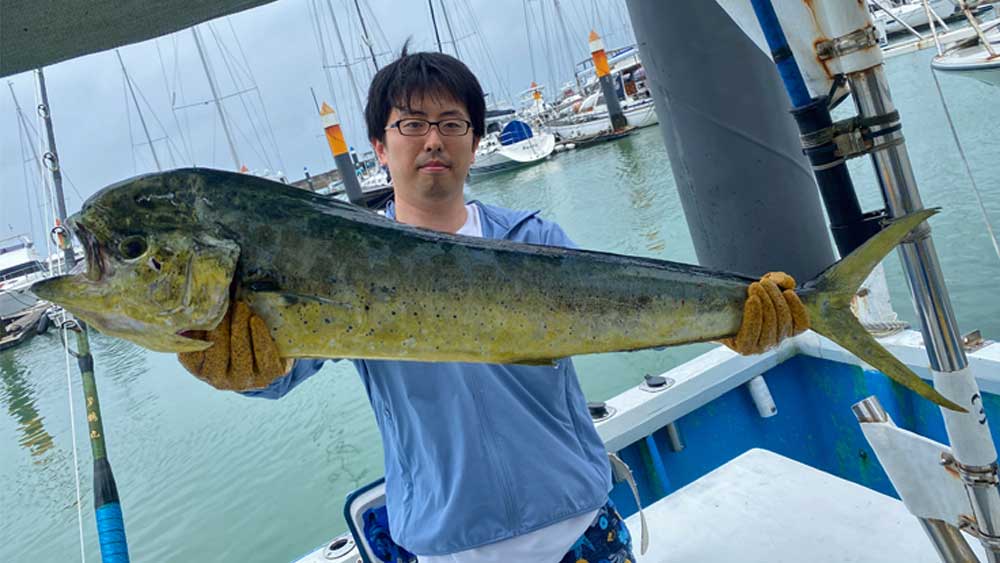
(212, 476)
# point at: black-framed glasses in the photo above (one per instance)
(416, 127)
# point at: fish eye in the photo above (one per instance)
(132, 247)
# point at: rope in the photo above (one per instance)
(885, 328)
(968, 169)
(64, 324)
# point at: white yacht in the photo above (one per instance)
(20, 267)
(593, 118)
(513, 146)
(587, 116)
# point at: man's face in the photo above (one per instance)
(432, 165)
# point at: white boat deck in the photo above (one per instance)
(765, 507)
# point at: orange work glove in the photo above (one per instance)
(772, 312)
(243, 355)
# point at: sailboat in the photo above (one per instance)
(509, 144)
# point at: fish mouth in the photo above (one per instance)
(190, 341)
(96, 262)
(192, 334)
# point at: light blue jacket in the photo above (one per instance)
(478, 453)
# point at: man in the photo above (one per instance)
(483, 462)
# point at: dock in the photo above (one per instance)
(22, 326)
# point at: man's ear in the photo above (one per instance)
(475, 146)
(380, 150)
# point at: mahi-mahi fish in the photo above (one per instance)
(167, 252)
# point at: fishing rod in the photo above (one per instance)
(107, 507)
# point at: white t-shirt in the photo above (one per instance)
(473, 226)
(548, 544)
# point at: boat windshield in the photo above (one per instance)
(21, 270)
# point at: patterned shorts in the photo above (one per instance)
(606, 540)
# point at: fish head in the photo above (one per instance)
(156, 266)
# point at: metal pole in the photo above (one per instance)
(899, 187)
(364, 31)
(968, 433)
(215, 97)
(142, 120)
(434, 23)
(948, 541)
(107, 507)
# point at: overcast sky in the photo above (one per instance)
(97, 128)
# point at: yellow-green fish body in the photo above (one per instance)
(166, 252)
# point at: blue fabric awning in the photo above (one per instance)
(515, 132)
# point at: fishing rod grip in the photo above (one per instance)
(108, 513)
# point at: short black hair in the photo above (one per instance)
(419, 74)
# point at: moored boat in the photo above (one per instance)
(514, 146)
(973, 59)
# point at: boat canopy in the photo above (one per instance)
(515, 132)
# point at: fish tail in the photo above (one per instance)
(827, 298)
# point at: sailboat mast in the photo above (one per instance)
(553, 73)
(215, 98)
(569, 44)
(347, 62)
(447, 23)
(434, 23)
(364, 31)
(531, 49)
(142, 120)
(23, 125)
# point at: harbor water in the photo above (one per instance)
(212, 476)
